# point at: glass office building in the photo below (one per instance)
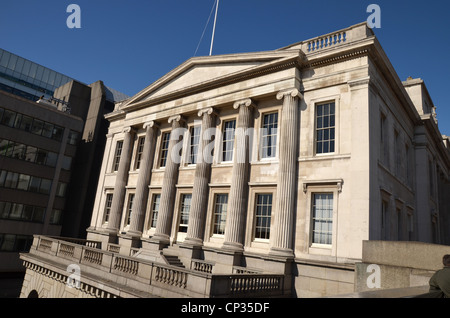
(30, 80)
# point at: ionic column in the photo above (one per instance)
(200, 193)
(237, 204)
(145, 168)
(121, 181)
(281, 240)
(165, 215)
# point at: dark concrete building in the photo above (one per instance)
(52, 138)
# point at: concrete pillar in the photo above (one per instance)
(200, 193)
(165, 215)
(238, 200)
(121, 181)
(281, 240)
(140, 200)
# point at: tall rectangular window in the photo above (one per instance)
(184, 212)
(108, 205)
(164, 149)
(220, 213)
(325, 128)
(139, 151)
(155, 209)
(322, 218)
(269, 135)
(193, 148)
(116, 163)
(129, 208)
(228, 140)
(263, 215)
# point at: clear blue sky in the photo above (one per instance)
(130, 44)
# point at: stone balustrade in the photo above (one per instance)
(331, 40)
(147, 277)
(202, 266)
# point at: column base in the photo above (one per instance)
(232, 247)
(281, 252)
(160, 240)
(191, 242)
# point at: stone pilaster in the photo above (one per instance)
(200, 193)
(165, 215)
(145, 168)
(281, 240)
(121, 181)
(238, 198)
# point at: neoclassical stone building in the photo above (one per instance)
(271, 163)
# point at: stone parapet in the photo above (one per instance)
(84, 271)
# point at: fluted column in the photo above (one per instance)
(281, 241)
(121, 181)
(145, 168)
(165, 215)
(200, 193)
(237, 205)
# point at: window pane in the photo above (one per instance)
(35, 183)
(24, 180)
(220, 213)
(45, 186)
(155, 209)
(57, 133)
(139, 151)
(16, 211)
(263, 216)
(228, 140)
(117, 155)
(11, 180)
(129, 208)
(52, 157)
(26, 123)
(322, 218)
(184, 212)
(38, 214)
(30, 154)
(108, 204)
(37, 127)
(269, 135)
(164, 149)
(19, 151)
(195, 138)
(8, 118)
(325, 128)
(47, 130)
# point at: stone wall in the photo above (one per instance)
(398, 264)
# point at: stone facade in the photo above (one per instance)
(280, 162)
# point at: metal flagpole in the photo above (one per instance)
(214, 28)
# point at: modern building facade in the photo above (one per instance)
(51, 143)
(271, 166)
(37, 146)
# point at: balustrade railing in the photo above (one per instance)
(93, 256)
(202, 266)
(198, 280)
(126, 265)
(326, 41)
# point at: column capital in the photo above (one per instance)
(150, 124)
(178, 118)
(128, 129)
(207, 111)
(248, 102)
(293, 92)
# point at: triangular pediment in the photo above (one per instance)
(203, 71)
